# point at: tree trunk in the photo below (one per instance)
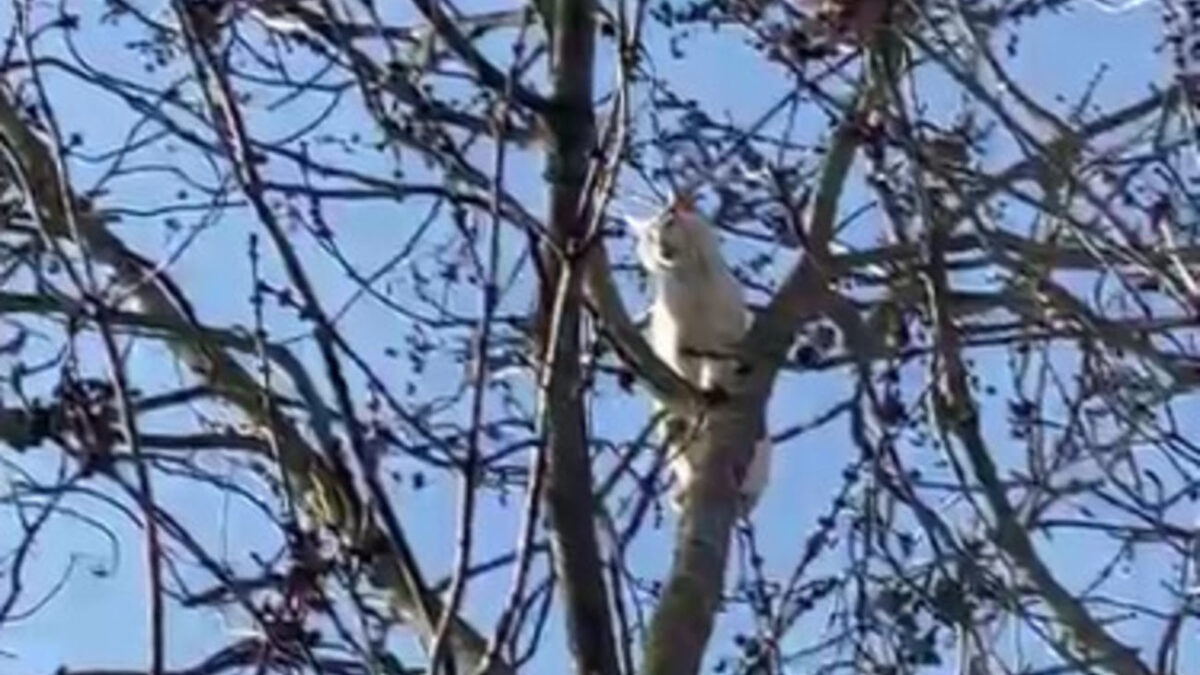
(568, 479)
(684, 619)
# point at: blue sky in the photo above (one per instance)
(101, 620)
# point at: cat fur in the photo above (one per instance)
(697, 318)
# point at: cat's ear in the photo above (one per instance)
(684, 202)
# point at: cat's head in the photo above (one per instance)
(679, 237)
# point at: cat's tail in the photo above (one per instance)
(758, 474)
(754, 483)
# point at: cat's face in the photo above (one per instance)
(672, 239)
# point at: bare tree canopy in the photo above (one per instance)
(322, 338)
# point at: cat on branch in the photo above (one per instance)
(697, 318)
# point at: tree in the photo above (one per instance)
(326, 309)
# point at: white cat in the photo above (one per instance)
(696, 320)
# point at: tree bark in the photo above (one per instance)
(683, 622)
(568, 480)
